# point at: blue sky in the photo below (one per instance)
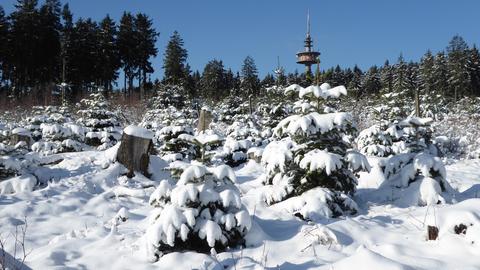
(347, 32)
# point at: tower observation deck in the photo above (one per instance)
(308, 57)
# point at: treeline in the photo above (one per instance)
(43, 51)
(449, 74)
(215, 82)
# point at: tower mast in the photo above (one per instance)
(308, 57)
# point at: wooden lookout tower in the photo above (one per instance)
(308, 57)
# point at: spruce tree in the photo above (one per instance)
(458, 77)
(49, 32)
(311, 159)
(25, 40)
(338, 76)
(213, 80)
(356, 81)
(250, 81)
(4, 35)
(386, 75)
(371, 83)
(440, 74)
(66, 43)
(109, 59)
(427, 73)
(84, 65)
(400, 83)
(474, 70)
(175, 58)
(127, 49)
(146, 39)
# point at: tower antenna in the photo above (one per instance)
(308, 22)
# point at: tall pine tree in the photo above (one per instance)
(109, 59)
(175, 59)
(146, 37)
(127, 49)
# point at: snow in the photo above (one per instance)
(18, 184)
(366, 259)
(312, 123)
(357, 161)
(140, 132)
(21, 131)
(324, 91)
(319, 160)
(275, 156)
(223, 171)
(192, 173)
(209, 230)
(74, 216)
(84, 213)
(429, 192)
(204, 138)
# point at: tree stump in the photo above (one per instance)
(135, 148)
(432, 233)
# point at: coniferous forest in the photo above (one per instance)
(41, 47)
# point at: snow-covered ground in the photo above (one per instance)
(71, 224)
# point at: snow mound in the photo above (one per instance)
(366, 259)
(18, 184)
(316, 204)
(137, 131)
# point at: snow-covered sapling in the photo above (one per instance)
(312, 152)
(202, 211)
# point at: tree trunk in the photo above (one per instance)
(417, 102)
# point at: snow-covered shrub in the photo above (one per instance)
(169, 95)
(374, 141)
(234, 151)
(415, 167)
(458, 131)
(49, 115)
(202, 211)
(412, 134)
(16, 160)
(313, 152)
(169, 140)
(103, 125)
(231, 107)
(242, 135)
(421, 176)
(201, 146)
